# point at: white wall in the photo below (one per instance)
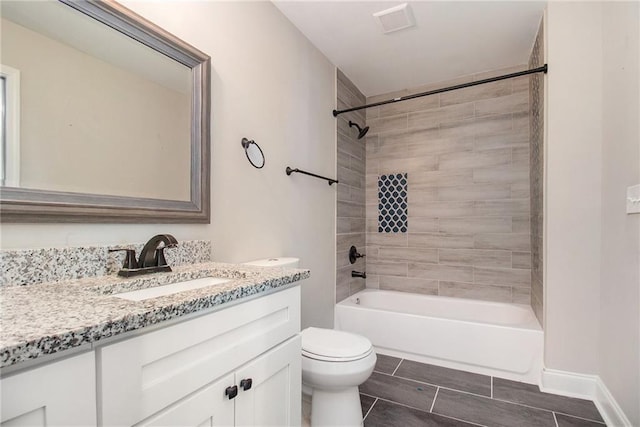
(620, 274)
(573, 185)
(593, 152)
(269, 84)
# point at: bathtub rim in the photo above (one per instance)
(535, 323)
(347, 317)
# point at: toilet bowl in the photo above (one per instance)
(334, 364)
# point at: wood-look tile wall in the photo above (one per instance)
(536, 118)
(351, 191)
(466, 153)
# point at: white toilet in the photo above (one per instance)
(334, 364)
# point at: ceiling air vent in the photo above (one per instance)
(396, 18)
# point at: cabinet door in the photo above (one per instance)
(62, 393)
(274, 396)
(209, 407)
(143, 375)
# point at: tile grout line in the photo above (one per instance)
(435, 396)
(397, 367)
(422, 410)
(479, 395)
(398, 403)
(555, 419)
(441, 386)
(580, 417)
(492, 387)
(415, 381)
(371, 407)
(438, 387)
(461, 420)
(533, 407)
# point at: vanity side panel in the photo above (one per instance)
(61, 393)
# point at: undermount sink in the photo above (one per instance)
(173, 288)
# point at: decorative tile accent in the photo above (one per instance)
(51, 265)
(392, 203)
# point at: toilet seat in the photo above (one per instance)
(330, 345)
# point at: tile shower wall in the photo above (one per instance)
(466, 156)
(351, 202)
(536, 123)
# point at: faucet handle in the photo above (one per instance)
(129, 259)
(354, 254)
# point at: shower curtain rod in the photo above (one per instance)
(542, 69)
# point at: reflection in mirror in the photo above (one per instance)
(105, 117)
(254, 153)
(10, 126)
(100, 111)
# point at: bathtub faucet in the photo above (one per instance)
(354, 254)
(359, 274)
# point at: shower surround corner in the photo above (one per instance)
(350, 221)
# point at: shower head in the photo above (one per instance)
(362, 132)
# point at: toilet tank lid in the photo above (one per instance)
(275, 262)
(333, 343)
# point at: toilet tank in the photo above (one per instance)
(281, 262)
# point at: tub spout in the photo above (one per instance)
(359, 274)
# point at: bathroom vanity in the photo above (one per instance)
(227, 354)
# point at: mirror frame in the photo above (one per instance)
(19, 205)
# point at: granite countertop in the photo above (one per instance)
(42, 319)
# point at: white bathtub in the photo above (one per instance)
(490, 338)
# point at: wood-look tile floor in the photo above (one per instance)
(406, 393)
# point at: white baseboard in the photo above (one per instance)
(585, 387)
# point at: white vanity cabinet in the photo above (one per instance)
(60, 393)
(188, 373)
(271, 399)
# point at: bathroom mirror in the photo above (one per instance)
(107, 117)
(254, 153)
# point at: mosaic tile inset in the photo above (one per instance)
(392, 203)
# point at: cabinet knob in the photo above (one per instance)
(246, 384)
(231, 391)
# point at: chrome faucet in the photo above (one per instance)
(151, 258)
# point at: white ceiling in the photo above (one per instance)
(450, 39)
